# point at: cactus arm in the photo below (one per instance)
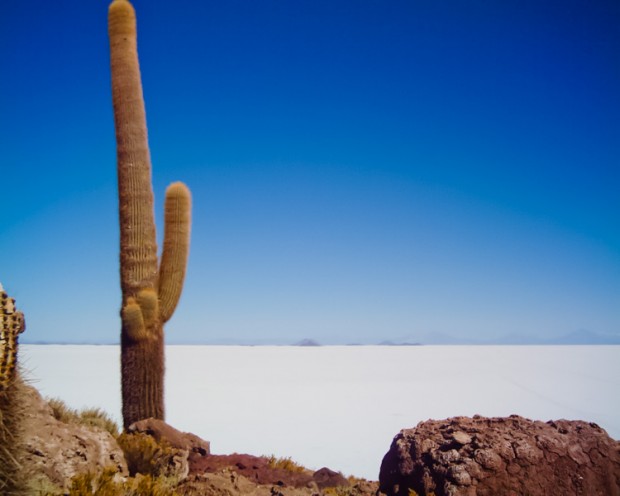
(175, 252)
(136, 212)
(140, 315)
(133, 321)
(149, 305)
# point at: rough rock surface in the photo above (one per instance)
(259, 470)
(255, 468)
(324, 477)
(242, 474)
(509, 456)
(58, 451)
(228, 482)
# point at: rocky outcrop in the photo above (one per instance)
(162, 432)
(228, 482)
(257, 469)
(57, 451)
(510, 456)
(169, 453)
(325, 477)
(265, 471)
(236, 472)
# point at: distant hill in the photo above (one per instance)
(307, 342)
(584, 336)
(403, 343)
(578, 337)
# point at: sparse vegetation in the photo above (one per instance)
(40, 485)
(340, 491)
(108, 483)
(285, 464)
(144, 455)
(411, 492)
(92, 417)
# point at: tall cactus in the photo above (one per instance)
(12, 474)
(150, 291)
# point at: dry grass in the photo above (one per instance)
(285, 464)
(144, 455)
(91, 417)
(109, 484)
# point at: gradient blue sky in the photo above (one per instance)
(361, 170)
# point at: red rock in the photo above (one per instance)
(500, 457)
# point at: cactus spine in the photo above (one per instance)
(12, 474)
(150, 291)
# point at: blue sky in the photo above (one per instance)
(361, 170)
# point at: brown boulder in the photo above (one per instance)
(510, 456)
(325, 477)
(174, 455)
(163, 432)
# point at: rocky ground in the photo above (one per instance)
(466, 456)
(57, 452)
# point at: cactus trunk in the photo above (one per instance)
(13, 476)
(150, 292)
(142, 375)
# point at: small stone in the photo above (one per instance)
(461, 437)
(460, 475)
(428, 445)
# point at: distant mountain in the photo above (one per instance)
(69, 343)
(307, 342)
(579, 337)
(392, 343)
(583, 336)
(518, 339)
(433, 338)
(441, 338)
